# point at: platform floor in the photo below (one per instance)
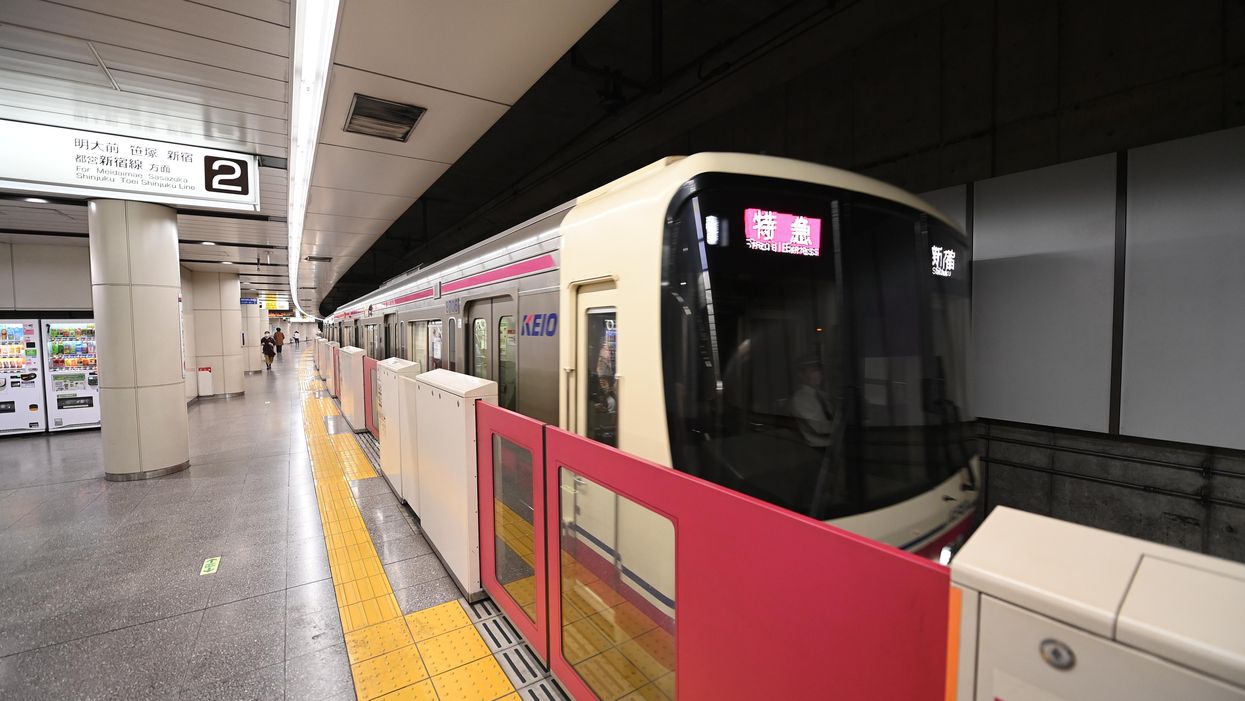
(101, 594)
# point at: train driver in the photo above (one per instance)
(811, 405)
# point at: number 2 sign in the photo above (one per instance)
(227, 175)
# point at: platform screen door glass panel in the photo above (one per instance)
(507, 363)
(602, 358)
(435, 346)
(420, 344)
(618, 608)
(479, 348)
(513, 516)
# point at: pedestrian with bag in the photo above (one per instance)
(279, 338)
(268, 346)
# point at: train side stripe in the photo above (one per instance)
(524, 267)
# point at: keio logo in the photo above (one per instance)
(539, 324)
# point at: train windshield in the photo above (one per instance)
(814, 344)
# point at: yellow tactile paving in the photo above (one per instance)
(419, 691)
(434, 621)
(388, 672)
(385, 661)
(453, 649)
(482, 679)
(366, 643)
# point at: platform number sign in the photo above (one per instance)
(228, 175)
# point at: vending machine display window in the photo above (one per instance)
(21, 388)
(71, 376)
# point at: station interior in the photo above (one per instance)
(641, 350)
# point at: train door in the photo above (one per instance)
(418, 344)
(596, 343)
(394, 346)
(492, 346)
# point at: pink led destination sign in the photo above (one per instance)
(779, 232)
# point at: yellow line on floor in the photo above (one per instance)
(430, 655)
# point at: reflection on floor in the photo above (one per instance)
(620, 645)
(621, 650)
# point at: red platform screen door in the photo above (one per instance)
(664, 586)
(512, 519)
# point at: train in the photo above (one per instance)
(789, 330)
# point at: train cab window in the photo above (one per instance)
(812, 357)
(435, 346)
(507, 363)
(602, 389)
(479, 348)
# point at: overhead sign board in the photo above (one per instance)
(43, 159)
(249, 300)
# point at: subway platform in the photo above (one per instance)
(324, 588)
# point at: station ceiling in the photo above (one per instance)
(216, 73)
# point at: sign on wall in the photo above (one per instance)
(54, 160)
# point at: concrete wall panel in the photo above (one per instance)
(1042, 295)
(52, 277)
(1184, 317)
(8, 299)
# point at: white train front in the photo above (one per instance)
(788, 330)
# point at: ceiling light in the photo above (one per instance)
(36, 200)
(315, 27)
(226, 262)
(207, 243)
(381, 118)
(319, 259)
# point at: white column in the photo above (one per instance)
(135, 282)
(253, 320)
(218, 330)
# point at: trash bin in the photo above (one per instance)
(205, 382)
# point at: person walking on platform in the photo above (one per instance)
(296, 337)
(279, 338)
(268, 346)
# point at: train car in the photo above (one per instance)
(788, 330)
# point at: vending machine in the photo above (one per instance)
(69, 371)
(21, 386)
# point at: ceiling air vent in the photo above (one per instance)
(319, 259)
(382, 118)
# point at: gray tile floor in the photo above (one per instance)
(100, 591)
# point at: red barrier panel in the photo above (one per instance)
(766, 603)
(369, 396)
(512, 517)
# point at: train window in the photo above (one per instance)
(513, 517)
(479, 348)
(434, 345)
(419, 343)
(602, 389)
(507, 363)
(614, 550)
(812, 356)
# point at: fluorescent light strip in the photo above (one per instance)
(315, 29)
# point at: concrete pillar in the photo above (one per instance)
(135, 282)
(253, 320)
(218, 330)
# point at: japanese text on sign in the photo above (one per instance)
(779, 232)
(56, 160)
(943, 261)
